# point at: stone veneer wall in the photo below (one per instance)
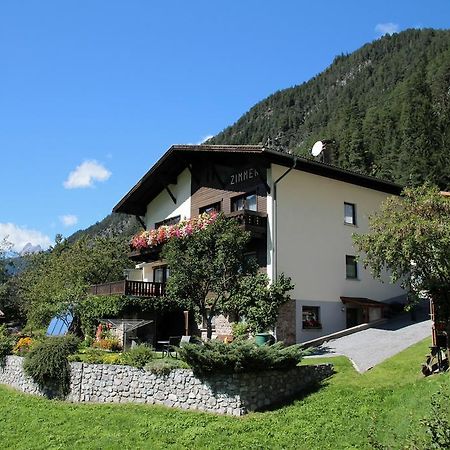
(286, 323)
(234, 394)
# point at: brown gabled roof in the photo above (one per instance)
(178, 157)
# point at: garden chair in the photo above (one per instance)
(174, 343)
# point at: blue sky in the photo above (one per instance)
(93, 92)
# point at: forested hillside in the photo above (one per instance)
(386, 107)
(111, 225)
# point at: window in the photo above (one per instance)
(169, 221)
(160, 274)
(351, 267)
(311, 317)
(213, 207)
(246, 201)
(349, 213)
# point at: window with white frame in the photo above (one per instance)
(349, 213)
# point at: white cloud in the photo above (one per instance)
(85, 175)
(21, 236)
(68, 220)
(386, 28)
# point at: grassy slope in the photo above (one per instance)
(387, 402)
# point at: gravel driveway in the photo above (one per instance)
(370, 347)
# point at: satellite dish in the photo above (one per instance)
(317, 148)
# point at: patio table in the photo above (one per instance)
(165, 347)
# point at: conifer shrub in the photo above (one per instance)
(239, 356)
(138, 356)
(165, 366)
(47, 363)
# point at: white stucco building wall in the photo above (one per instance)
(162, 206)
(312, 242)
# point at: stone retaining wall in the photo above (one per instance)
(234, 394)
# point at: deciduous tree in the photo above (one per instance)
(410, 237)
(58, 279)
(209, 273)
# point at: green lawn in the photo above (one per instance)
(381, 408)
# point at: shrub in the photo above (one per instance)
(23, 346)
(111, 343)
(48, 365)
(240, 330)
(87, 342)
(6, 344)
(96, 356)
(165, 366)
(239, 356)
(138, 356)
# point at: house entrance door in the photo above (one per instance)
(352, 317)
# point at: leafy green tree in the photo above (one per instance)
(209, 272)
(258, 301)
(9, 303)
(58, 279)
(5, 246)
(410, 237)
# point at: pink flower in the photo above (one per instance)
(180, 230)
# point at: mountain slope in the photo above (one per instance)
(386, 107)
(111, 225)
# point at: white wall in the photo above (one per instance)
(147, 270)
(312, 241)
(162, 207)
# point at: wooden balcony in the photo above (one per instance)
(127, 287)
(146, 255)
(253, 221)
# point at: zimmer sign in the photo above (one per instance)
(242, 176)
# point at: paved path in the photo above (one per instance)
(370, 347)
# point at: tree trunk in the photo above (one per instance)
(209, 327)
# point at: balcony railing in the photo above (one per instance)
(253, 221)
(128, 287)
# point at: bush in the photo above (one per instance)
(240, 330)
(6, 344)
(138, 356)
(23, 346)
(239, 356)
(165, 366)
(96, 356)
(111, 343)
(48, 365)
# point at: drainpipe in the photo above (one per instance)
(275, 220)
